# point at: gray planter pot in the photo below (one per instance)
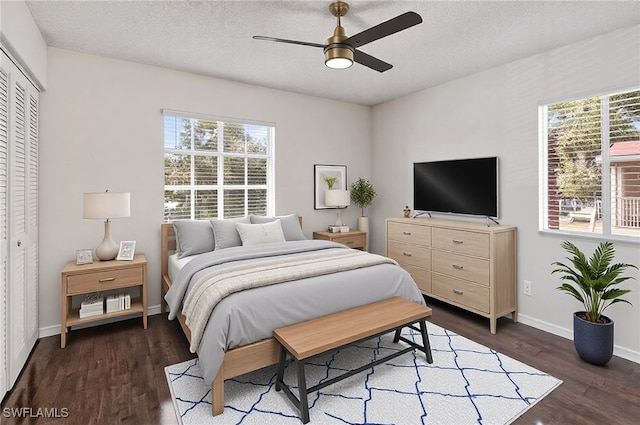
(593, 341)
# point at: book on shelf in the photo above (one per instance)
(118, 302)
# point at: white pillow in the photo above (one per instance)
(254, 234)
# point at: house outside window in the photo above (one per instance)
(590, 173)
(216, 168)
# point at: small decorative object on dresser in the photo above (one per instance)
(407, 211)
(463, 263)
(127, 249)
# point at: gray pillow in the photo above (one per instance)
(290, 225)
(225, 233)
(193, 237)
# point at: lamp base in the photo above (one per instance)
(108, 249)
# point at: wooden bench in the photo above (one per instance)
(317, 336)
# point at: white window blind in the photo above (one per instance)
(591, 178)
(216, 168)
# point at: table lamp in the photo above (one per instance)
(105, 206)
(338, 199)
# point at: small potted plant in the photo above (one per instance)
(363, 194)
(594, 283)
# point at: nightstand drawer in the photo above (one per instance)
(99, 281)
(352, 241)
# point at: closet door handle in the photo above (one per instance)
(19, 243)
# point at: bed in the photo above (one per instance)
(237, 338)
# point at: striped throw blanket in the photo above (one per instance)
(214, 286)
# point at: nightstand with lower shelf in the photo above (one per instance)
(353, 238)
(102, 276)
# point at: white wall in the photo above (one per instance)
(101, 127)
(22, 38)
(495, 113)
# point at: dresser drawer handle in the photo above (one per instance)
(458, 241)
(406, 233)
(107, 279)
(457, 266)
(406, 254)
(457, 292)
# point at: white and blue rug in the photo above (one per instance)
(466, 384)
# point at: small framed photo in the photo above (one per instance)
(84, 256)
(127, 249)
(327, 177)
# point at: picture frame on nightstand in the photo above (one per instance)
(127, 250)
(84, 256)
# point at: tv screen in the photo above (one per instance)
(461, 186)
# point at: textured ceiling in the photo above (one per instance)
(456, 38)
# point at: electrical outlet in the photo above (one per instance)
(527, 287)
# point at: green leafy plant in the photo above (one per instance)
(362, 193)
(330, 181)
(593, 282)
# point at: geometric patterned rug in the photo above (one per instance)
(467, 383)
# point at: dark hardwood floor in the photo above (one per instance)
(115, 374)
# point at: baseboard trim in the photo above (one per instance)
(619, 351)
(55, 329)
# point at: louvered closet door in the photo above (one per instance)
(4, 162)
(22, 296)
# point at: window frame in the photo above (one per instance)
(269, 186)
(605, 182)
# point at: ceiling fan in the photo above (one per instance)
(341, 51)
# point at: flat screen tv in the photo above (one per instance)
(459, 186)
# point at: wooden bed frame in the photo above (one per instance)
(237, 361)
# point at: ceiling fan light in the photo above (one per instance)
(338, 57)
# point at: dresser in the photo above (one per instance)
(466, 264)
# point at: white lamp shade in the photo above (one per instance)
(337, 198)
(106, 205)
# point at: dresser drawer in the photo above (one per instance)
(461, 241)
(421, 276)
(460, 266)
(409, 233)
(461, 292)
(83, 283)
(409, 254)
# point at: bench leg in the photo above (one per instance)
(302, 392)
(425, 341)
(281, 364)
(396, 337)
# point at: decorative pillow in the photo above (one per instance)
(193, 237)
(225, 233)
(290, 225)
(254, 234)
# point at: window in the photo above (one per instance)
(590, 179)
(216, 168)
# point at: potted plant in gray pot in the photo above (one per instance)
(363, 194)
(594, 283)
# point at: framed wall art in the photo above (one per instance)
(325, 176)
(127, 250)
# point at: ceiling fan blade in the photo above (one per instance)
(392, 26)
(282, 40)
(371, 62)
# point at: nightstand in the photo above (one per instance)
(102, 276)
(353, 238)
